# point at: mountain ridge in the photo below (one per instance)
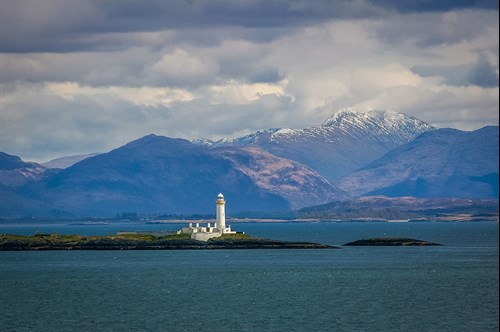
(14, 172)
(440, 163)
(297, 183)
(379, 153)
(346, 141)
(157, 174)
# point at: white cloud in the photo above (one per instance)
(142, 96)
(237, 93)
(181, 67)
(465, 108)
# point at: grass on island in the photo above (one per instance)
(236, 236)
(132, 240)
(54, 238)
(119, 240)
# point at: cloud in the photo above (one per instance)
(95, 68)
(467, 108)
(40, 120)
(47, 120)
(143, 96)
(69, 25)
(85, 76)
(435, 6)
(236, 93)
(451, 75)
(435, 28)
(180, 67)
(483, 73)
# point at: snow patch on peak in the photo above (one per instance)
(284, 131)
(348, 118)
(202, 141)
(248, 139)
(381, 125)
(357, 115)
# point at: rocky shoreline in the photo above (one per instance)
(40, 242)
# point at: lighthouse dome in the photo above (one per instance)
(220, 196)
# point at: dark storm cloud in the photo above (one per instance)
(265, 75)
(435, 29)
(409, 6)
(69, 25)
(65, 25)
(452, 75)
(483, 73)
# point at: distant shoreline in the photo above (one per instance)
(105, 221)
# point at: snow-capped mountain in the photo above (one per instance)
(388, 126)
(370, 153)
(202, 141)
(345, 142)
(253, 139)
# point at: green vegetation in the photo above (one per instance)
(133, 237)
(177, 237)
(41, 241)
(237, 236)
(233, 238)
(55, 238)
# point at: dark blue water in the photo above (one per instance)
(448, 288)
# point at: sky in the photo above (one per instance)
(82, 76)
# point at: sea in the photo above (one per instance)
(453, 287)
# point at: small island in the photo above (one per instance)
(144, 241)
(391, 241)
(211, 236)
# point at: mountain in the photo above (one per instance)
(345, 142)
(157, 174)
(351, 154)
(298, 184)
(438, 163)
(65, 162)
(15, 172)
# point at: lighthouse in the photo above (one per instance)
(220, 220)
(204, 233)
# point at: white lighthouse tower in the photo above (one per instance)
(204, 233)
(220, 220)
